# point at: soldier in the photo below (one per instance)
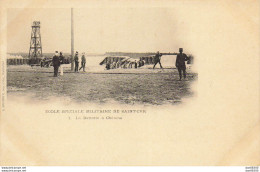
(140, 63)
(180, 63)
(118, 64)
(157, 59)
(76, 59)
(83, 62)
(56, 63)
(107, 65)
(61, 58)
(42, 62)
(135, 64)
(113, 65)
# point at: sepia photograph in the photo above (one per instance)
(89, 55)
(130, 83)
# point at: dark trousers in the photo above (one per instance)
(180, 70)
(76, 66)
(56, 68)
(156, 64)
(83, 66)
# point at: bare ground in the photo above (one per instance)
(130, 86)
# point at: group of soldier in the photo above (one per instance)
(124, 64)
(76, 61)
(58, 60)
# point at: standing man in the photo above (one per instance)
(83, 62)
(180, 63)
(157, 59)
(61, 58)
(135, 64)
(56, 63)
(76, 59)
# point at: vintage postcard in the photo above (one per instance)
(130, 83)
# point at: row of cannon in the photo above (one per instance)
(113, 62)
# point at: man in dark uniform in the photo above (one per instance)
(140, 63)
(180, 63)
(108, 66)
(61, 58)
(83, 62)
(76, 59)
(135, 64)
(56, 63)
(157, 59)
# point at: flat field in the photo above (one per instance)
(128, 86)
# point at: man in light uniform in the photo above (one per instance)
(61, 63)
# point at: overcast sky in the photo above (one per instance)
(197, 27)
(99, 29)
